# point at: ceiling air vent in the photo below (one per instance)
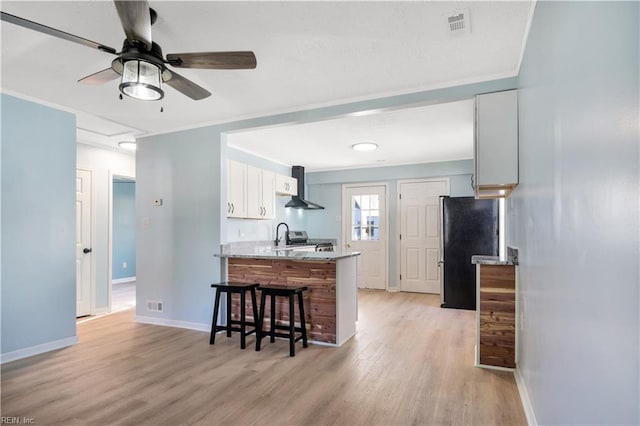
(458, 22)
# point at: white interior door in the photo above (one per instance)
(365, 216)
(420, 235)
(83, 243)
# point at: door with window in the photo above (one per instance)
(365, 219)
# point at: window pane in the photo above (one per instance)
(365, 202)
(356, 205)
(356, 233)
(375, 202)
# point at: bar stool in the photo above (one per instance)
(241, 289)
(274, 291)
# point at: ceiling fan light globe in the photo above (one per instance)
(141, 80)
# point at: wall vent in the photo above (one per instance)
(154, 306)
(458, 22)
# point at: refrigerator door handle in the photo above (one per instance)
(441, 261)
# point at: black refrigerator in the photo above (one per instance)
(469, 227)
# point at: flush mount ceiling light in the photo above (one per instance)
(365, 146)
(128, 145)
(141, 80)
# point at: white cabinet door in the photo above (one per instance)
(496, 143)
(236, 189)
(260, 193)
(254, 192)
(268, 195)
(286, 185)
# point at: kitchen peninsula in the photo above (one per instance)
(331, 277)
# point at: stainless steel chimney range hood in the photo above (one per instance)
(298, 201)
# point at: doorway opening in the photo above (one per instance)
(123, 243)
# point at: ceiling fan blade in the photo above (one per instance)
(214, 60)
(55, 33)
(135, 18)
(100, 77)
(187, 87)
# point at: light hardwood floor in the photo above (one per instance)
(411, 363)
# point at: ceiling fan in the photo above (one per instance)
(140, 65)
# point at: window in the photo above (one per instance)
(365, 217)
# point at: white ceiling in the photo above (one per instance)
(442, 132)
(309, 54)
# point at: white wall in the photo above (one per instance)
(574, 215)
(103, 164)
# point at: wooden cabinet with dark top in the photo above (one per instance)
(496, 316)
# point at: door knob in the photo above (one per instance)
(86, 250)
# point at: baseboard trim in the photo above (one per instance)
(101, 311)
(123, 280)
(524, 397)
(38, 349)
(174, 323)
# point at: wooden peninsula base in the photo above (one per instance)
(330, 303)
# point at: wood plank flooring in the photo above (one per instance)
(411, 363)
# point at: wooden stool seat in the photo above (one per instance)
(238, 288)
(274, 291)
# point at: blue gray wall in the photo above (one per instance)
(325, 188)
(575, 213)
(177, 240)
(124, 230)
(38, 225)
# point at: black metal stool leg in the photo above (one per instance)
(303, 323)
(243, 327)
(272, 332)
(292, 327)
(260, 320)
(228, 314)
(255, 309)
(214, 321)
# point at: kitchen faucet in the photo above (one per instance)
(286, 235)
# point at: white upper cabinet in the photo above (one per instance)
(286, 185)
(268, 194)
(236, 189)
(250, 192)
(260, 193)
(496, 144)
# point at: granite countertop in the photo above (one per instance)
(266, 250)
(510, 259)
(491, 260)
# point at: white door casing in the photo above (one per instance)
(420, 228)
(84, 242)
(365, 229)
